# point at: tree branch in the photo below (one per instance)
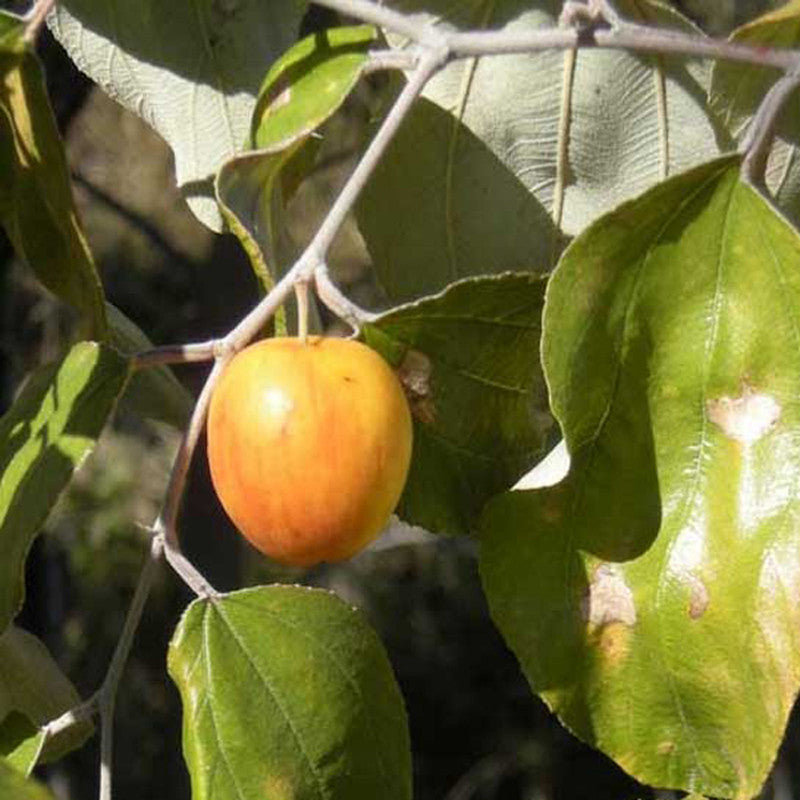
(166, 522)
(430, 62)
(622, 35)
(341, 305)
(388, 18)
(103, 700)
(176, 354)
(758, 140)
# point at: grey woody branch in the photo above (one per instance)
(341, 305)
(758, 140)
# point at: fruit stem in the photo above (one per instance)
(301, 295)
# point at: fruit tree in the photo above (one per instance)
(580, 355)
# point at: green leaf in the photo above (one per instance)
(288, 693)
(154, 392)
(36, 207)
(651, 596)
(585, 137)
(308, 84)
(250, 196)
(441, 206)
(12, 30)
(17, 786)
(189, 69)
(304, 88)
(33, 691)
(469, 358)
(737, 90)
(44, 437)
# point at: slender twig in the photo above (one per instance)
(391, 59)
(341, 305)
(107, 703)
(758, 140)
(102, 701)
(622, 35)
(388, 18)
(429, 63)
(107, 695)
(166, 522)
(315, 253)
(75, 716)
(627, 36)
(140, 595)
(301, 300)
(177, 354)
(35, 19)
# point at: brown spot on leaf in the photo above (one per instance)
(278, 787)
(608, 598)
(665, 748)
(613, 641)
(415, 375)
(698, 598)
(745, 418)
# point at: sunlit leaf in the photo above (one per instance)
(52, 426)
(737, 89)
(33, 691)
(651, 596)
(288, 693)
(189, 69)
(308, 84)
(469, 358)
(14, 784)
(36, 207)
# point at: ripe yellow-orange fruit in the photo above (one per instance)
(309, 445)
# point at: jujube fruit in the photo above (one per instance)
(309, 444)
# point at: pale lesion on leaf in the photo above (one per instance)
(608, 598)
(746, 418)
(609, 610)
(279, 787)
(698, 598)
(612, 641)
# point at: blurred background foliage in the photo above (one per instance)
(477, 732)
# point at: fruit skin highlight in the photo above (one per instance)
(309, 445)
